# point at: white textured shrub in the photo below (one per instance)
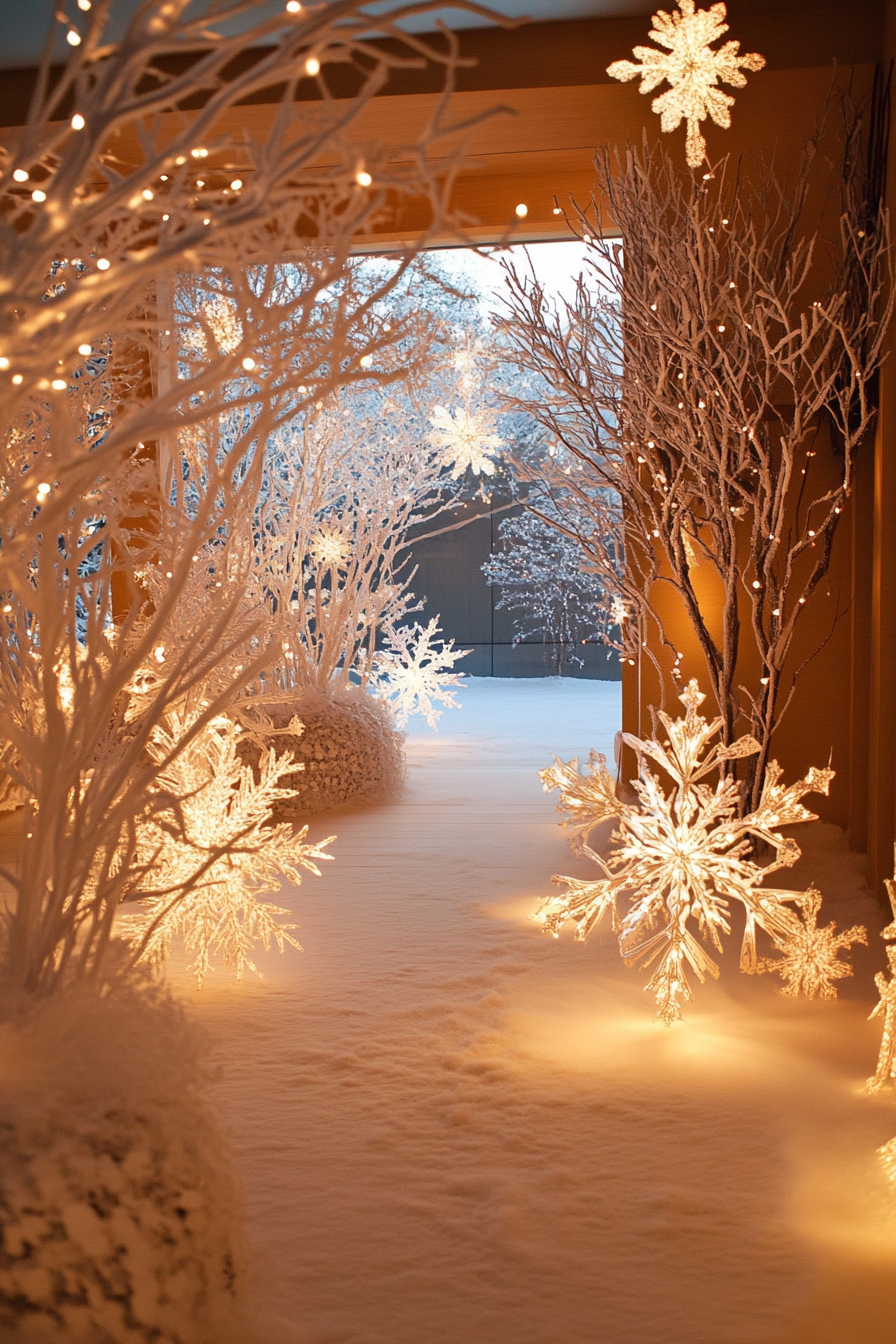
(349, 751)
(115, 1200)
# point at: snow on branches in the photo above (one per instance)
(680, 859)
(540, 573)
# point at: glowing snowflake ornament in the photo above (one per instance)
(682, 858)
(693, 70)
(466, 438)
(811, 961)
(330, 547)
(413, 672)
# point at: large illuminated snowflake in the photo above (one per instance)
(218, 845)
(467, 439)
(413, 672)
(692, 68)
(681, 859)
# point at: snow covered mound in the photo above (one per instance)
(350, 751)
(115, 1198)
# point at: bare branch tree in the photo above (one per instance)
(714, 380)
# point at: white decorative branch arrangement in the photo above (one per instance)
(714, 394)
(681, 859)
(173, 290)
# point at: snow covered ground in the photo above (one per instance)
(454, 1130)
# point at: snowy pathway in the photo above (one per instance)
(454, 1130)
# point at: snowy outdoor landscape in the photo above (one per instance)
(450, 1127)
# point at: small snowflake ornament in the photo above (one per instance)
(680, 859)
(810, 963)
(693, 70)
(330, 548)
(467, 439)
(414, 672)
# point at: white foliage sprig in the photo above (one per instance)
(213, 851)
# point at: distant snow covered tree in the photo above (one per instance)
(540, 575)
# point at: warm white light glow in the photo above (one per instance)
(73, 38)
(4, 362)
(363, 178)
(692, 68)
(38, 196)
(521, 210)
(248, 363)
(103, 264)
(18, 378)
(293, 7)
(77, 122)
(236, 184)
(59, 384)
(312, 66)
(20, 175)
(85, 349)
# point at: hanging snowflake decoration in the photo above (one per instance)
(681, 859)
(330, 547)
(811, 961)
(467, 439)
(413, 672)
(692, 68)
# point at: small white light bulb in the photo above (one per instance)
(38, 196)
(312, 66)
(73, 38)
(103, 264)
(20, 175)
(236, 184)
(4, 362)
(59, 384)
(366, 361)
(363, 178)
(248, 363)
(293, 7)
(18, 379)
(85, 349)
(521, 210)
(84, 5)
(77, 122)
